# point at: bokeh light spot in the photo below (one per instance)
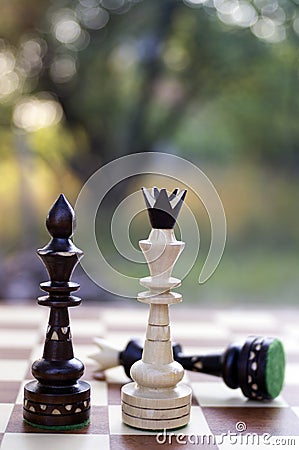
(195, 3)
(95, 18)
(7, 62)
(113, 4)
(67, 30)
(244, 15)
(9, 82)
(63, 69)
(33, 113)
(268, 30)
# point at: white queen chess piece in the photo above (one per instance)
(157, 399)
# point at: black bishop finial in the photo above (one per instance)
(60, 255)
(163, 210)
(60, 220)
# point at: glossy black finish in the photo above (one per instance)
(233, 365)
(57, 398)
(161, 213)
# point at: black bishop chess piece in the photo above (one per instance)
(57, 399)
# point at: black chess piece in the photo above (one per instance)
(257, 366)
(57, 400)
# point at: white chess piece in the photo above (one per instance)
(156, 399)
(107, 355)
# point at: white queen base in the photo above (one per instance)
(156, 409)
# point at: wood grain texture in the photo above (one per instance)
(58, 398)
(216, 409)
(156, 399)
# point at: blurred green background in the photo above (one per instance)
(83, 82)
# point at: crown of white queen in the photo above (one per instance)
(163, 209)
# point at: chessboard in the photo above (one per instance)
(221, 418)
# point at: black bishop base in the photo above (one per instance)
(57, 400)
(48, 407)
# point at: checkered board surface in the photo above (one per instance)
(216, 409)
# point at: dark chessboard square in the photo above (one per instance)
(16, 423)
(87, 312)
(15, 353)
(88, 373)
(13, 325)
(194, 401)
(114, 393)
(28, 374)
(276, 421)
(99, 421)
(174, 441)
(9, 391)
(81, 340)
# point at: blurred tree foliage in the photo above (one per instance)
(210, 77)
(85, 81)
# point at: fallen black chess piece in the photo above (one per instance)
(257, 366)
